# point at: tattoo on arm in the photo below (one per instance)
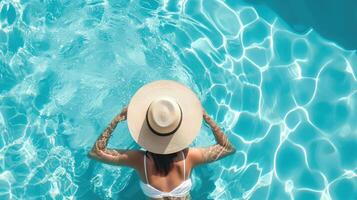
(221, 138)
(102, 140)
(223, 146)
(215, 152)
(100, 146)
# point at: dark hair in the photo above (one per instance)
(163, 162)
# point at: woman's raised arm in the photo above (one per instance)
(101, 153)
(215, 152)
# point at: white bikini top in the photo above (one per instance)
(181, 190)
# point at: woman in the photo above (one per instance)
(163, 117)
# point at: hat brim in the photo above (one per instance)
(191, 117)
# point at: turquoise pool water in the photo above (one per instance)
(286, 99)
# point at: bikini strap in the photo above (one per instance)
(146, 176)
(184, 166)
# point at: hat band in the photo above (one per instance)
(163, 134)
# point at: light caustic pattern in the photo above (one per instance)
(286, 101)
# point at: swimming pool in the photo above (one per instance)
(287, 100)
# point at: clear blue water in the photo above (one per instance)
(286, 99)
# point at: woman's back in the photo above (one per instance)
(179, 172)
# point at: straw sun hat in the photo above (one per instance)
(164, 116)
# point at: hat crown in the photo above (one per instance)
(164, 115)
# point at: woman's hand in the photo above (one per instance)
(123, 114)
(206, 117)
